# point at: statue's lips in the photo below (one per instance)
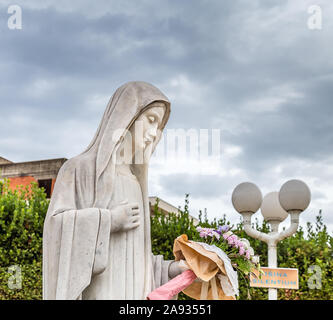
(148, 141)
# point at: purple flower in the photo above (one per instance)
(223, 229)
(247, 254)
(241, 250)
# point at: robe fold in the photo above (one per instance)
(82, 259)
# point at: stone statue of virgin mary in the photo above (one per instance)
(96, 241)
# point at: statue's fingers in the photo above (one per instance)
(135, 219)
(132, 212)
(135, 225)
(135, 212)
(134, 205)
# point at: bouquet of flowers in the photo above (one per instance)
(210, 266)
(239, 250)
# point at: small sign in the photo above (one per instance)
(281, 278)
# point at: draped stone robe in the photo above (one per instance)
(124, 276)
(81, 258)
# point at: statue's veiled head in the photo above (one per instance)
(131, 126)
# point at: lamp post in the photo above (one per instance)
(293, 198)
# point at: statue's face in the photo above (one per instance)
(145, 129)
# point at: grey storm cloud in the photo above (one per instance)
(201, 186)
(298, 129)
(250, 68)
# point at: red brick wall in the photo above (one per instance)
(14, 182)
(20, 181)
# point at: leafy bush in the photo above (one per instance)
(22, 214)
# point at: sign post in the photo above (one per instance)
(275, 278)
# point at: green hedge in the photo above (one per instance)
(22, 214)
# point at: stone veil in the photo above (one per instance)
(76, 240)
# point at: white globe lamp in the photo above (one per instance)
(246, 198)
(294, 195)
(272, 211)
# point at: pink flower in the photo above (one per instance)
(205, 232)
(241, 250)
(216, 234)
(232, 240)
(235, 238)
(229, 233)
(225, 236)
(238, 244)
(246, 243)
(247, 254)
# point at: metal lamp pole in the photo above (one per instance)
(293, 198)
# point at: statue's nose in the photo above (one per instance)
(152, 132)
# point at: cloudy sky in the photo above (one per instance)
(252, 69)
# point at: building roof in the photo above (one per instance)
(43, 169)
(163, 205)
(4, 161)
(32, 162)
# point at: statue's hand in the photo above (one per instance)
(177, 267)
(125, 217)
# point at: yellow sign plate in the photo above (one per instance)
(281, 278)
